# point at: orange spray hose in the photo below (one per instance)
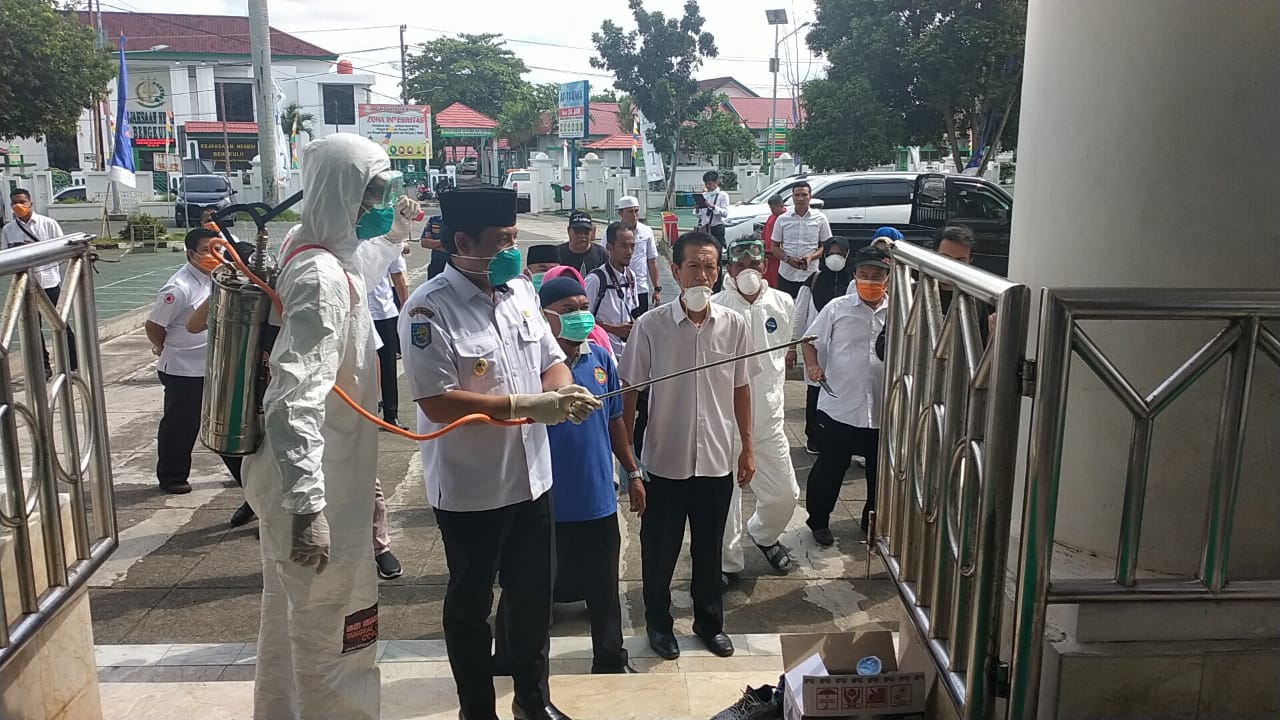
(220, 244)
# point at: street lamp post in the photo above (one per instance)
(776, 18)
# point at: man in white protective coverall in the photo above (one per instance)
(768, 313)
(312, 481)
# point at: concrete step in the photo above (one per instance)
(215, 681)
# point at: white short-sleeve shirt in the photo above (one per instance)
(646, 250)
(44, 228)
(846, 331)
(184, 352)
(800, 235)
(455, 337)
(382, 299)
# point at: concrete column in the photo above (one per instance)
(541, 177)
(206, 99)
(591, 182)
(180, 92)
(1146, 158)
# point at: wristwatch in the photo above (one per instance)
(635, 475)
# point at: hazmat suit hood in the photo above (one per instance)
(336, 169)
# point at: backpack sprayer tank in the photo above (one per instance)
(236, 374)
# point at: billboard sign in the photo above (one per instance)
(575, 104)
(404, 131)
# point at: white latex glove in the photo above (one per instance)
(402, 227)
(310, 541)
(571, 402)
(584, 402)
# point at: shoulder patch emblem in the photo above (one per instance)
(423, 311)
(420, 334)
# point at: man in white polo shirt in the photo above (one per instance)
(797, 241)
(28, 226)
(644, 262)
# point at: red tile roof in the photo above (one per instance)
(458, 115)
(618, 141)
(233, 128)
(604, 121)
(202, 34)
(754, 112)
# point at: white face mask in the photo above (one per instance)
(749, 281)
(697, 298)
(835, 263)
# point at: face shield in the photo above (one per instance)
(383, 190)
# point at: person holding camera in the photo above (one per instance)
(611, 288)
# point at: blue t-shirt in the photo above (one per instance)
(581, 456)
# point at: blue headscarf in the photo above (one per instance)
(887, 231)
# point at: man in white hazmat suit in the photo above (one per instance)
(312, 481)
(768, 314)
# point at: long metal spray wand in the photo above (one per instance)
(735, 358)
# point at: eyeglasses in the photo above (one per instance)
(384, 190)
(753, 251)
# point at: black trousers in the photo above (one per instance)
(386, 330)
(587, 569)
(791, 287)
(516, 545)
(642, 303)
(811, 414)
(704, 503)
(179, 427)
(837, 444)
(642, 421)
(53, 294)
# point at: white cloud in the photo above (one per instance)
(558, 47)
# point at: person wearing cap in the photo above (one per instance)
(797, 240)
(644, 262)
(842, 355)
(768, 313)
(476, 342)
(540, 259)
(586, 502)
(832, 280)
(611, 288)
(688, 446)
(579, 251)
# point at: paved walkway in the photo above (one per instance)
(182, 576)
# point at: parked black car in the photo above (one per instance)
(197, 192)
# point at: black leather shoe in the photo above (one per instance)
(626, 669)
(664, 644)
(719, 644)
(242, 516)
(823, 537)
(181, 488)
(546, 712)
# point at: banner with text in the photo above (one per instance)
(575, 110)
(653, 170)
(404, 131)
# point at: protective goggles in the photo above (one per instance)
(755, 251)
(383, 190)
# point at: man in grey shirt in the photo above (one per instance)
(688, 447)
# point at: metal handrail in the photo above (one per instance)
(948, 455)
(82, 466)
(1240, 341)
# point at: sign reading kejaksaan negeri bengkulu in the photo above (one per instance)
(404, 131)
(575, 100)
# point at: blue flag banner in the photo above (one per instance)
(122, 156)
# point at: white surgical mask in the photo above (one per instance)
(749, 281)
(697, 298)
(835, 263)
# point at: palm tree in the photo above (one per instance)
(626, 113)
(518, 123)
(294, 111)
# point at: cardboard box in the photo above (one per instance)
(822, 679)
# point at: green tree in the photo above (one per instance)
(720, 134)
(49, 72)
(844, 127)
(654, 64)
(605, 96)
(941, 66)
(476, 70)
(518, 122)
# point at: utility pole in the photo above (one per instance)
(99, 150)
(773, 111)
(404, 83)
(260, 50)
